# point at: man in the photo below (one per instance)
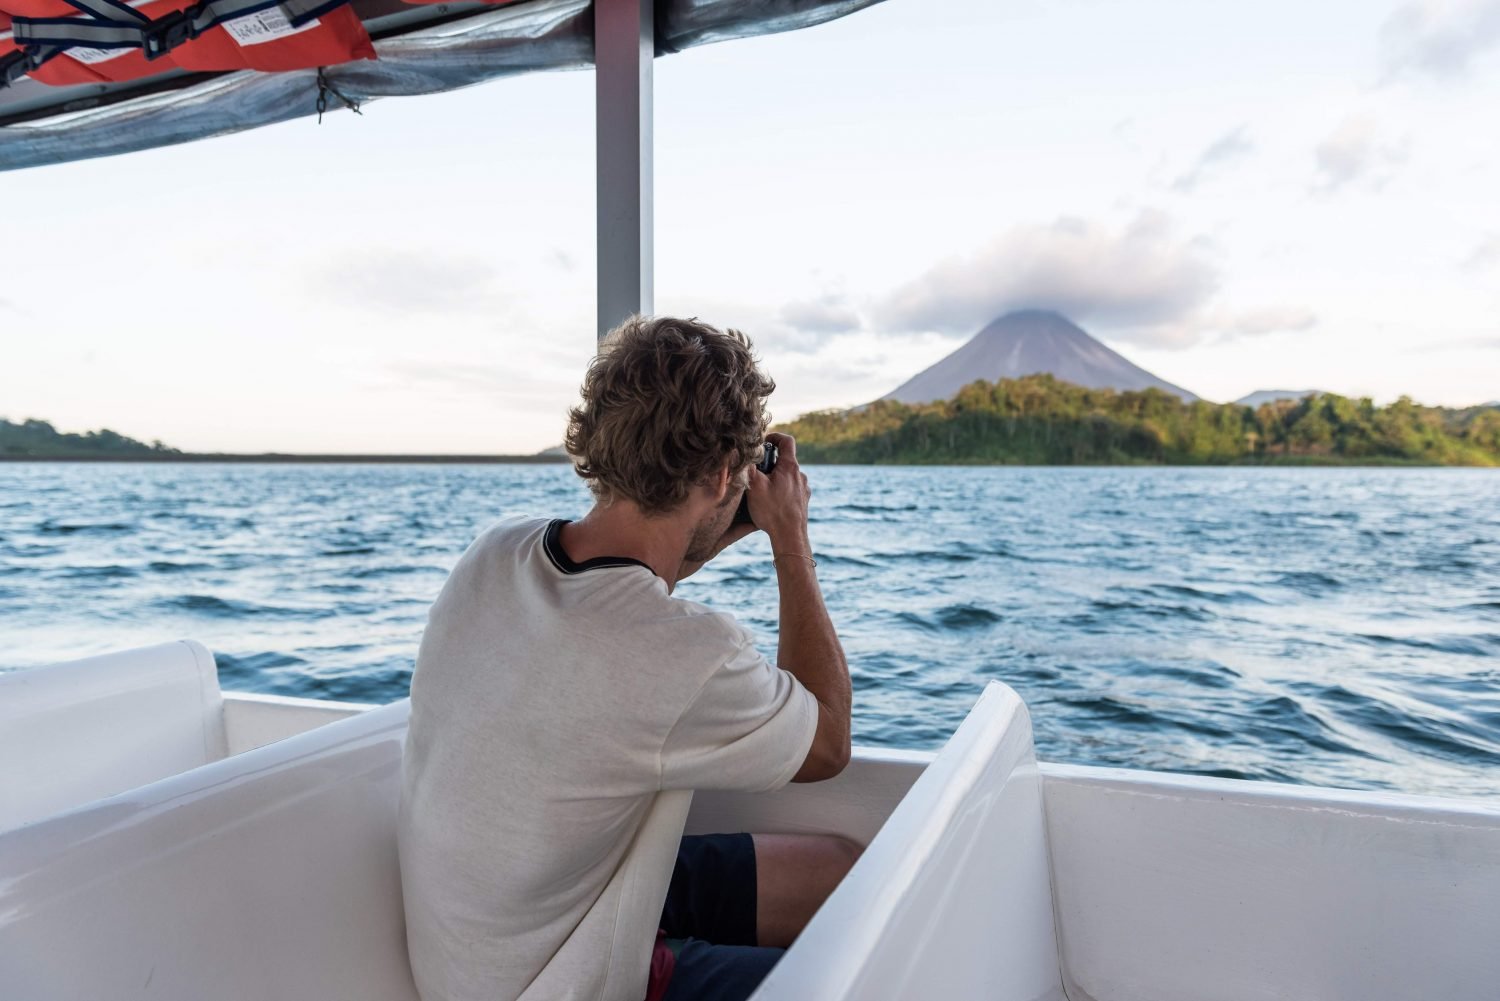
(564, 706)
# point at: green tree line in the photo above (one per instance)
(1039, 420)
(39, 439)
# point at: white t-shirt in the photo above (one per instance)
(561, 715)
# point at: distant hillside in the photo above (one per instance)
(1260, 396)
(1025, 343)
(39, 439)
(1038, 420)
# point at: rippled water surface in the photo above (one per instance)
(1338, 627)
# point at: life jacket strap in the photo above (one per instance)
(111, 24)
(15, 65)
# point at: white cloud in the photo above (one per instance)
(1485, 256)
(1142, 278)
(1264, 320)
(1142, 283)
(1217, 323)
(460, 376)
(1463, 344)
(1231, 146)
(409, 281)
(1355, 151)
(1439, 38)
(802, 327)
(827, 314)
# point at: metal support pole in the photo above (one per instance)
(624, 45)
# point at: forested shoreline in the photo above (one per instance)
(1039, 420)
(39, 439)
(1035, 420)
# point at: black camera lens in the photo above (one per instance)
(765, 465)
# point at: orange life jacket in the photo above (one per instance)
(83, 64)
(263, 39)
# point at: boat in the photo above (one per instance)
(167, 840)
(160, 838)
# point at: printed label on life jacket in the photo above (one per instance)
(264, 26)
(90, 56)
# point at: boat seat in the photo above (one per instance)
(959, 876)
(80, 731)
(274, 874)
(269, 874)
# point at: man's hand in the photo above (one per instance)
(778, 502)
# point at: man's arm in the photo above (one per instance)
(808, 646)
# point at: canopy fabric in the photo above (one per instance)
(518, 38)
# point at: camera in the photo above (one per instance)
(765, 465)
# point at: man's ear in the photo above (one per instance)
(721, 483)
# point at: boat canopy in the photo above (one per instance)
(111, 77)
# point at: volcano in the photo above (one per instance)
(1028, 342)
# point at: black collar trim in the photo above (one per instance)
(552, 544)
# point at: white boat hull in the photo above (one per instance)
(271, 873)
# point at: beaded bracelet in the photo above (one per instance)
(800, 556)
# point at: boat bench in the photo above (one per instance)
(263, 876)
(1000, 879)
(274, 873)
(953, 897)
(92, 728)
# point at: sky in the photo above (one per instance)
(1236, 197)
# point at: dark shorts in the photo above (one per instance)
(709, 921)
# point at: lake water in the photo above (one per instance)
(1330, 626)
